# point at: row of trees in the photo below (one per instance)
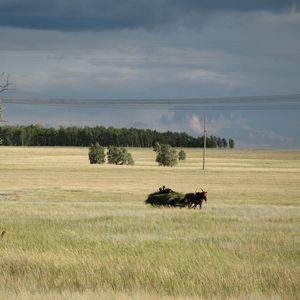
(165, 155)
(36, 135)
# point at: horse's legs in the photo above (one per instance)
(201, 203)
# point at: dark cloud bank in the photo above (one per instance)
(97, 15)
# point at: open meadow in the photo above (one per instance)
(81, 231)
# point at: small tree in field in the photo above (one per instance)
(96, 154)
(181, 155)
(165, 154)
(231, 143)
(156, 147)
(130, 160)
(119, 156)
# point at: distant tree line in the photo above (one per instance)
(36, 135)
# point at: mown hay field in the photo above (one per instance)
(81, 231)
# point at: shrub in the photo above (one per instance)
(181, 155)
(130, 160)
(156, 147)
(231, 143)
(96, 154)
(165, 154)
(119, 156)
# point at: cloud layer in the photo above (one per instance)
(97, 15)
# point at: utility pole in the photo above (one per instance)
(204, 143)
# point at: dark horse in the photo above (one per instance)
(194, 199)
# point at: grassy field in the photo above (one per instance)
(81, 231)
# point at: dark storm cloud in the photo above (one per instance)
(78, 15)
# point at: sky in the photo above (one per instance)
(159, 49)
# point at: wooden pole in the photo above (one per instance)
(204, 144)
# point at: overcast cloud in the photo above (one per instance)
(77, 15)
(155, 49)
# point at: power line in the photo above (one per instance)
(274, 102)
(153, 46)
(142, 59)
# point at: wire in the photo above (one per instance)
(277, 102)
(123, 60)
(154, 46)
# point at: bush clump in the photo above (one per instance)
(96, 154)
(119, 156)
(181, 155)
(165, 154)
(115, 155)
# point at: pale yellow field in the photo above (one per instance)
(75, 230)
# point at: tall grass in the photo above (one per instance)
(75, 230)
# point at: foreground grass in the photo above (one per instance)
(76, 230)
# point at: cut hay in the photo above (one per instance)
(169, 199)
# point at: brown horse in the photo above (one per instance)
(195, 199)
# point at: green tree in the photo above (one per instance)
(156, 147)
(231, 143)
(165, 154)
(119, 156)
(224, 143)
(96, 154)
(181, 155)
(130, 160)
